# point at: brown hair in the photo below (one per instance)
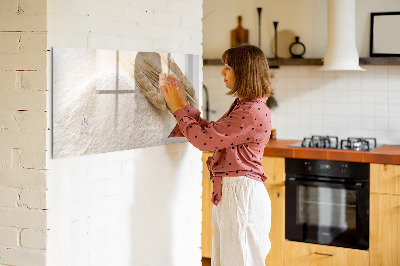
(250, 66)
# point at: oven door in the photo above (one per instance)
(327, 213)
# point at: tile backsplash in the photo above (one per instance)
(314, 102)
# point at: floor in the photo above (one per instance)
(206, 261)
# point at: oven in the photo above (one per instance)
(327, 202)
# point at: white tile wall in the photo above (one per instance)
(313, 102)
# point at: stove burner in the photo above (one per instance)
(328, 142)
(358, 144)
(332, 142)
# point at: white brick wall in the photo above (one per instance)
(9, 197)
(9, 237)
(136, 207)
(139, 25)
(23, 178)
(33, 239)
(23, 128)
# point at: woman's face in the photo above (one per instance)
(229, 76)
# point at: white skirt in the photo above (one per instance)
(241, 223)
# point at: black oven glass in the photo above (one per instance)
(327, 204)
(326, 208)
(333, 207)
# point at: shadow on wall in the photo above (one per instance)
(153, 223)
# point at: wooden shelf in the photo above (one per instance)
(274, 63)
(380, 61)
(212, 62)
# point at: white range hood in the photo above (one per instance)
(341, 51)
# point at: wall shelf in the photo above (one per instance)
(380, 61)
(274, 63)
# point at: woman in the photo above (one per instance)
(242, 209)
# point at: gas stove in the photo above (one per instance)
(332, 142)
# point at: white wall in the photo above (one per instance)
(135, 207)
(23, 133)
(305, 18)
(343, 104)
(311, 102)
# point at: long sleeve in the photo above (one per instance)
(238, 139)
(231, 130)
(193, 113)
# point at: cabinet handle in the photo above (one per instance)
(325, 254)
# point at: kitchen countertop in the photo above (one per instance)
(389, 154)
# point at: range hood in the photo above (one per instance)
(341, 51)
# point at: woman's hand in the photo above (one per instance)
(174, 93)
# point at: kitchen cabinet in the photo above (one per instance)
(385, 214)
(385, 178)
(384, 244)
(206, 225)
(384, 221)
(385, 230)
(274, 168)
(305, 254)
(277, 233)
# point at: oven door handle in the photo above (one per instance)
(357, 185)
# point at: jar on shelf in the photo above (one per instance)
(297, 49)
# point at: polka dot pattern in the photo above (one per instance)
(238, 139)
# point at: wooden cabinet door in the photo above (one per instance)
(274, 168)
(305, 254)
(384, 236)
(385, 178)
(277, 233)
(206, 225)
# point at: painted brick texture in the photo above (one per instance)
(9, 237)
(117, 208)
(33, 239)
(23, 126)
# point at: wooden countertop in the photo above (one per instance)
(389, 154)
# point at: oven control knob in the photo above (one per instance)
(343, 168)
(308, 166)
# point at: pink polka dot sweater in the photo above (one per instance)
(238, 139)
